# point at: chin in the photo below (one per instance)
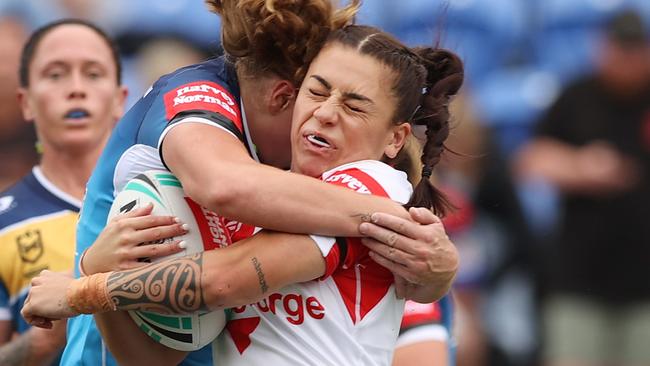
(311, 169)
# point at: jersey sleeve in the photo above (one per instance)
(422, 322)
(345, 252)
(203, 101)
(5, 311)
(197, 96)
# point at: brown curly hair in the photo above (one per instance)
(278, 36)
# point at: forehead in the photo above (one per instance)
(347, 69)
(71, 43)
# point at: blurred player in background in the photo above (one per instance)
(70, 88)
(17, 138)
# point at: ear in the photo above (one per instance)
(23, 101)
(397, 139)
(282, 96)
(119, 102)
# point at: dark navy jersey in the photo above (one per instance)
(37, 232)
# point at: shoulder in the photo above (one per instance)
(13, 201)
(371, 177)
(209, 86)
(212, 72)
(29, 198)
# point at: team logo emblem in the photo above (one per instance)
(30, 246)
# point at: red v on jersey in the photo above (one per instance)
(240, 331)
(361, 281)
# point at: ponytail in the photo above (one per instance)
(444, 79)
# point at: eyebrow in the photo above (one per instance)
(65, 63)
(348, 95)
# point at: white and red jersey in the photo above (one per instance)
(350, 316)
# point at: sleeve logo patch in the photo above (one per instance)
(202, 95)
(357, 180)
(349, 181)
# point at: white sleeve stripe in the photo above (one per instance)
(423, 333)
(324, 243)
(194, 120)
(5, 314)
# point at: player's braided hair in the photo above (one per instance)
(278, 36)
(424, 81)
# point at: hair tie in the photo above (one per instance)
(414, 113)
(427, 171)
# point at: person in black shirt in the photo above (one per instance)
(594, 147)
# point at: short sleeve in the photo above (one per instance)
(5, 312)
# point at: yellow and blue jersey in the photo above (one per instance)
(37, 232)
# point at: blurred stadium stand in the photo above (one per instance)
(518, 53)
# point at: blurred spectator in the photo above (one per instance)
(17, 137)
(164, 55)
(72, 93)
(155, 58)
(594, 147)
(493, 289)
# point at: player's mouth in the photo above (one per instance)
(318, 141)
(76, 114)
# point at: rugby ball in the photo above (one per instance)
(206, 232)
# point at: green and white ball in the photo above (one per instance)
(162, 189)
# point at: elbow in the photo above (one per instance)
(221, 289)
(227, 280)
(223, 196)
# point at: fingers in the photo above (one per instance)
(31, 319)
(390, 253)
(158, 250)
(151, 221)
(386, 236)
(140, 211)
(424, 216)
(392, 223)
(159, 233)
(40, 322)
(395, 268)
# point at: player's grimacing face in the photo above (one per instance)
(343, 112)
(73, 96)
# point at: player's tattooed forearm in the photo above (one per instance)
(365, 217)
(170, 287)
(260, 275)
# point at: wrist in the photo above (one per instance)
(82, 269)
(89, 295)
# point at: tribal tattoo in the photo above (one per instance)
(260, 275)
(170, 287)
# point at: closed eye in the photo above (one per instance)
(354, 109)
(317, 93)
